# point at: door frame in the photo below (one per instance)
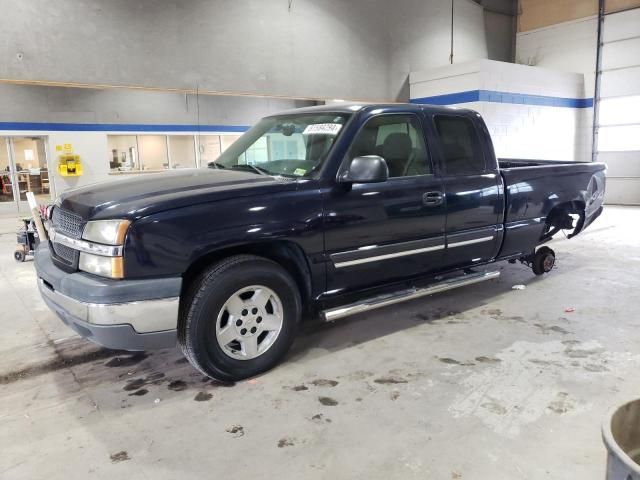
(17, 206)
(418, 249)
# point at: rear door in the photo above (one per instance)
(472, 187)
(379, 232)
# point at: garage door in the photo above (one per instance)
(618, 139)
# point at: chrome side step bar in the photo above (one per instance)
(407, 294)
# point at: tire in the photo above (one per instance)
(225, 294)
(543, 261)
(19, 256)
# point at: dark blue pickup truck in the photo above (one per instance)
(318, 212)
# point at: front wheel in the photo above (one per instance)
(239, 317)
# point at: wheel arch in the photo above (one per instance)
(559, 218)
(287, 254)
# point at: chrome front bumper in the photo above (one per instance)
(120, 314)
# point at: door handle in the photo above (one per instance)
(432, 199)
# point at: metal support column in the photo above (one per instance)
(596, 94)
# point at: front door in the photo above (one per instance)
(391, 230)
(23, 168)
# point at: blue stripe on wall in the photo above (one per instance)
(450, 98)
(504, 97)
(113, 127)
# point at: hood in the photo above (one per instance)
(142, 194)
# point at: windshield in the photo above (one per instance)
(288, 145)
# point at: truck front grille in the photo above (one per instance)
(67, 223)
(67, 254)
(71, 225)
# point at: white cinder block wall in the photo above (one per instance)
(566, 47)
(531, 112)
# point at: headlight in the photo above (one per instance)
(105, 234)
(111, 267)
(110, 232)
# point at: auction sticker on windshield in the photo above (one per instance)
(323, 128)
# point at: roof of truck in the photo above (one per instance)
(348, 107)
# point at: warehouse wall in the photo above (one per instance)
(360, 49)
(279, 49)
(612, 6)
(425, 40)
(34, 103)
(534, 14)
(229, 45)
(568, 46)
(83, 118)
(563, 36)
(531, 112)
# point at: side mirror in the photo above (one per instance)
(366, 169)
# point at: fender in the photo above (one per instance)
(286, 228)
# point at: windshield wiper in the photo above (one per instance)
(258, 170)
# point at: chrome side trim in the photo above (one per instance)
(469, 242)
(85, 246)
(144, 316)
(388, 256)
(524, 223)
(408, 294)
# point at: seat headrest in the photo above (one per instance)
(397, 145)
(365, 143)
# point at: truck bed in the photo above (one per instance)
(505, 163)
(537, 190)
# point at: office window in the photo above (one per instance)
(396, 138)
(257, 153)
(153, 152)
(123, 153)
(460, 145)
(284, 147)
(182, 153)
(209, 148)
(227, 140)
(134, 153)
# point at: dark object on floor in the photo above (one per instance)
(27, 238)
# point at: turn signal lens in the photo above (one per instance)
(111, 267)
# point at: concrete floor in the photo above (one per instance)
(483, 382)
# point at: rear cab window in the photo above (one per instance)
(461, 148)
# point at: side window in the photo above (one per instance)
(396, 138)
(460, 145)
